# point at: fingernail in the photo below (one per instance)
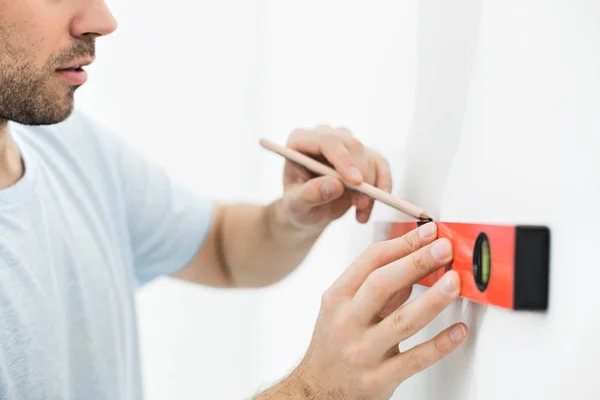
(449, 284)
(427, 230)
(355, 173)
(441, 249)
(457, 333)
(362, 216)
(326, 190)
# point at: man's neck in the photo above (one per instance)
(11, 166)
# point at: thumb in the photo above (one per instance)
(315, 192)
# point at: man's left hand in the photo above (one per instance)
(312, 201)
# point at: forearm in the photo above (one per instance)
(259, 246)
(282, 391)
(292, 388)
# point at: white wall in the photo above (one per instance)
(521, 147)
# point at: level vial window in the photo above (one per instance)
(482, 261)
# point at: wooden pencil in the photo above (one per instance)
(365, 188)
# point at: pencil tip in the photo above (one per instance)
(424, 216)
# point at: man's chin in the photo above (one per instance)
(51, 113)
(37, 101)
(47, 117)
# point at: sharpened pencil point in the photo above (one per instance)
(423, 219)
(424, 216)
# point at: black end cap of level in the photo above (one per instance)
(532, 270)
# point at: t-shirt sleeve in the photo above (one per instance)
(167, 223)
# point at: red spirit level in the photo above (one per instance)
(500, 265)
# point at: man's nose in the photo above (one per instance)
(93, 19)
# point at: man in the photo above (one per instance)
(84, 220)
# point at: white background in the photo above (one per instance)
(185, 82)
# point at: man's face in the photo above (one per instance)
(42, 44)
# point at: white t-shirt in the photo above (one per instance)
(89, 222)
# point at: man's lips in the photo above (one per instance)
(75, 74)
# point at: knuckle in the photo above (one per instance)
(442, 345)
(323, 128)
(371, 383)
(341, 325)
(353, 144)
(344, 131)
(411, 241)
(295, 133)
(354, 355)
(417, 361)
(375, 252)
(399, 324)
(294, 138)
(421, 263)
(331, 143)
(375, 156)
(384, 163)
(328, 299)
(375, 282)
(340, 132)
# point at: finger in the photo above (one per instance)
(295, 174)
(322, 128)
(364, 208)
(314, 192)
(408, 363)
(383, 178)
(380, 177)
(399, 298)
(369, 171)
(333, 149)
(340, 206)
(357, 151)
(363, 204)
(362, 216)
(412, 317)
(392, 352)
(382, 253)
(384, 282)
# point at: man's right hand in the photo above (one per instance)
(354, 352)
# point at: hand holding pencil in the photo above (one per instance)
(306, 177)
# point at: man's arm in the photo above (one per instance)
(253, 246)
(249, 246)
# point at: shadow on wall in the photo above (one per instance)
(447, 39)
(459, 367)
